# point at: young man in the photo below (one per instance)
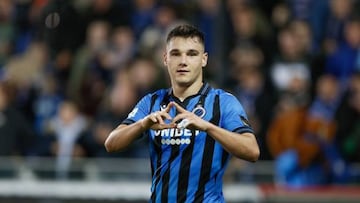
(193, 128)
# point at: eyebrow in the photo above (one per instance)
(187, 51)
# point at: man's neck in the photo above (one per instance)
(182, 92)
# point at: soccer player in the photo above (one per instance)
(193, 128)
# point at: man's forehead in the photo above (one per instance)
(185, 43)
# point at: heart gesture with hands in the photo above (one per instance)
(185, 119)
(155, 120)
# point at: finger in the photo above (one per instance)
(168, 107)
(158, 126)
(159, 118)
(183, 124)
(165, 126)
(166, 115)
(153, 117)
(179, 117)
(161, 115)
(178, 107)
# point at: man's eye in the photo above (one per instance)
(192, 54)
(175, 54)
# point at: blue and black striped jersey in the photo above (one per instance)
(188, 165)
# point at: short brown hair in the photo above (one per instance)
(186, 31)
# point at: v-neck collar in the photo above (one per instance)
(205, 88)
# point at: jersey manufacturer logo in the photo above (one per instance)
(162, 107)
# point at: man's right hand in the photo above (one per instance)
(155, 120)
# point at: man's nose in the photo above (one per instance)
(183, 59)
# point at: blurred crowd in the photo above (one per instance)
(72, 70)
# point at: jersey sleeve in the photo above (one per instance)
(233, 117)
(141, 110)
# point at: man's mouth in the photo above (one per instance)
(182, 71)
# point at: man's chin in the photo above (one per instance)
(183, 83)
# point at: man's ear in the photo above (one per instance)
(204, 59)
(165, 59)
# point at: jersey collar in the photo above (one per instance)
(204, 90)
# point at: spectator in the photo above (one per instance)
(143, 16)
(340, 11)
(209, 18)
(121, 49)
(147, 75)
(301, 140)
(25, 71)
(64, 35)
(249, 87)
(250, 28)
(348, 119)
(314, 13)
(285, 134)
(86, 86)
(290, 64)
(320, 128)
(114, 12)
(7, 30)
(151, 39)
(344, 60)
(46, 103)
(66, 126)
(121, 97)
(16, 134)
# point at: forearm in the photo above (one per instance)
(123, 136)
(243, 146)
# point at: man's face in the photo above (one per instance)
(185, 58)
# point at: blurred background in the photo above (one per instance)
(71, 71)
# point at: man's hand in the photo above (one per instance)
(187, 119)
(155, 120)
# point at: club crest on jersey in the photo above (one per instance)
(199, 111)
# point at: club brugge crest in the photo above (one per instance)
(199, 111)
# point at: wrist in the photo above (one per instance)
(143, 124)
(207, 127)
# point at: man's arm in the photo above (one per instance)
(124, 135)
(242, 145)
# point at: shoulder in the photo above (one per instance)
(227, 101)
(223, 95)
(160, 92)
(156, 94)
(151, 98)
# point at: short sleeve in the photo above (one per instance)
(141, 110)
(233, 115)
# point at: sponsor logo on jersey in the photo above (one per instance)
(175, 136)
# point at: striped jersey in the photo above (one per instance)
(188, 165)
